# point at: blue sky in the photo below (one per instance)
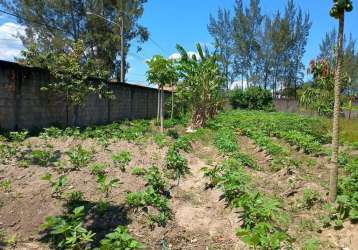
(185, 22)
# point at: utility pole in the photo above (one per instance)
(122, 49)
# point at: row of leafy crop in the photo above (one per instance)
(347, 200)
(68, 232)
(306, 133)
(261, 216)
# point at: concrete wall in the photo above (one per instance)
(24, 106)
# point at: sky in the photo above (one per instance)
(184, 22)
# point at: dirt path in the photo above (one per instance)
(201, 211)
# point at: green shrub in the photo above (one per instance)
(122, 159)
(173, 133)
(58, 186)
(136, 170)
(98, 168)
(79, 157)
(43, 157)
(310, 198)
(160, 140)
(67, 232)
(106, 184)
(255, 98)
(176, 163)
(119, 239)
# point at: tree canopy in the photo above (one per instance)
(54, 25)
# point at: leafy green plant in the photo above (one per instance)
(67, 232)
(105, 184)
(43, 157)
(252, 98)
(19, 136)
(160, 140)
(176, 163)
(137, 170)
(98, 168)
(183, 143)
(58, 186)
(79, 157)
(5, 185)
(155, 179)
(75, 199)
(311, 244)
(310, 198)
(121, 159)
(173, 133)
(51, 132)
(119, 239)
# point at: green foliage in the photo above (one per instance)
(67, 232)
(200, 88)
(58, 186)
(43, 157)
(98, 168)
(71, 73)
(79, 157)
(161, 71)
(176, 163)
(154, 195)
(155, 179)
(225, 141)
(119, 239)
(311, 244)
(19, 136)
(106, 184)
(173, 133)
(255, 98)
(310, 198)
(137, 170)
(5, 185)
(122, 159)
(183, 143)
(51, 132)
(160, 140)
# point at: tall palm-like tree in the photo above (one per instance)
(338, 10)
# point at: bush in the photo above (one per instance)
(251, 98)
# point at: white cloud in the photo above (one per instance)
(177, 56)
(10, 43)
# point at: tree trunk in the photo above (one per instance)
(172, 113)
(158, 108)
(162, 110)
(335, 132)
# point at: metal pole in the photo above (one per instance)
(122, 49)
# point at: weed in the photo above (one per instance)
(155, 179)
(160, 140)
(75, 199)
(67, 232)
(102, 207)
(137, 170)
(58, 186)
(43, 157)
(122, 159)
(5, 185)
(105, 184)
(119, 239)
(310, 198)
(311, 244)
(79, 157)
(183, 143)
(51, 132)
(176, 163)
(98, 168)
(18, 136)
(173, 133)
